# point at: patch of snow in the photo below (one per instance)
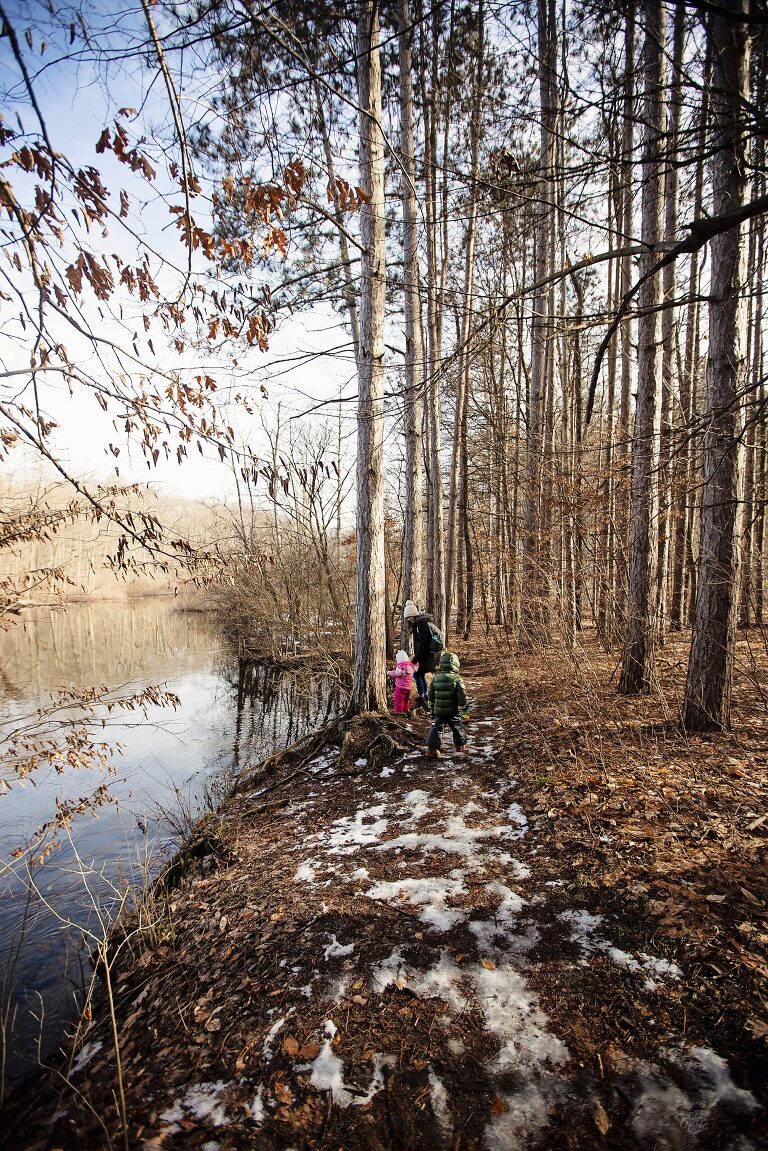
(418, 803)
(514, 1017)
(85, 1055)
(270, 1036)
(527, 1113)
(430, 893)
(456, 838)
(306, 872)
(353, 832)
(387, 971)
(327, 1074)
(659, 967)
(256, 1107)
(511, 1010)
(336, 948)
(319, 763)
(456, 1046)
(515, 815)
(584, 932)
(385, 771)
(202, 1103)
(339, 989)
(360, 873)
(664, 1109)
(440, 1109)
(361, 762)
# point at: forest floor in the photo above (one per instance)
(558, 940)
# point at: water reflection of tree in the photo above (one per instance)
(103, 643)
(276, 707)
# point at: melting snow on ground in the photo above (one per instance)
(203, 1103)
(336, 948)
(364, 827)
(584, 932)
(85, 1056)
(327, 1073)
(432, 894)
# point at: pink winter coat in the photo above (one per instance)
(403, 674)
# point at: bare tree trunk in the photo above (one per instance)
(686, 456)
(369, 683)
(707, 702)
(413, 559)
(627, 353)
(637, 659)
(435, 584)
(456, 529)
(668, 319)
(536, 573)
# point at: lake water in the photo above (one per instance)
(173, 765)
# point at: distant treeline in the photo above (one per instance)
(55, 546)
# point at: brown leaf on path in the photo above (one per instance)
(488, 964)
(498, 1106)
(290, 1045)
(600, 1116)
(748, 894)
(758, 1028)
(283, 1093)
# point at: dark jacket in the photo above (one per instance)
(422, 643)
(447, 695)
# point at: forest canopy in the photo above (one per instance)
(539, 231)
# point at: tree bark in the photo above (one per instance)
(413, 559)
(706, 706)
(637, 659)
(536, 556)
(456, 532)
(668, 319)
(369, 683)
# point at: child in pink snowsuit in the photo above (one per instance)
(403, 677)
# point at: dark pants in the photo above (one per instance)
(456, 726)
(420, 679)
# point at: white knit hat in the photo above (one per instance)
(410, 609)
(402, 657)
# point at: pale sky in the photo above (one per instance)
(76, 110)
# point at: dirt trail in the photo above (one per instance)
(392, 952)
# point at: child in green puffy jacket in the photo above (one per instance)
(447, 705)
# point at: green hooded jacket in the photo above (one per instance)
(447, 694)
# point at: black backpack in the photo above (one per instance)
(436, 641)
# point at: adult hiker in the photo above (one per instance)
(427, 645)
